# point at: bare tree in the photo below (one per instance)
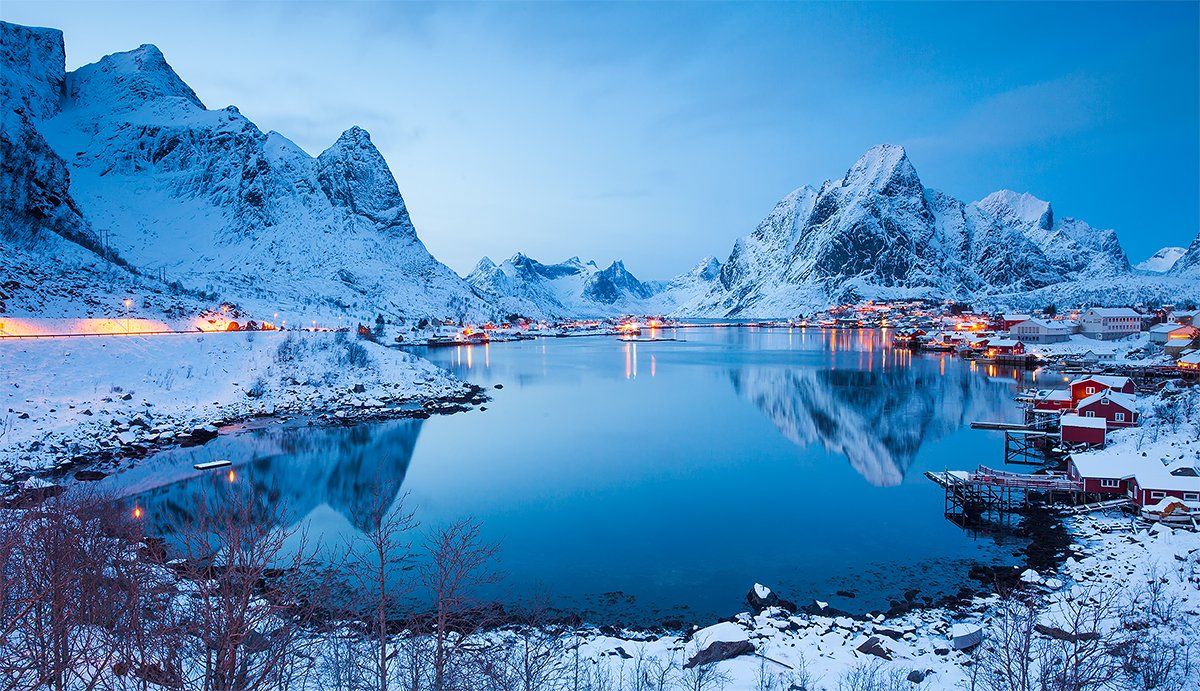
(1079, 652)
(534, 655)
(458, 562)
(63, 606)
(375, 560)
(252, 595)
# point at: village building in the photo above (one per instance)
(1108, 323)
(1076, 429)
(1000, 347)
(1103, 473)
(1188, 317)
(1053, 399)
(1118, 409)
(1189, 365)
(1164, 334)
(1008, 321)
(1042, 331)
(1145, 481)
(1095, 383)
(1154, 481)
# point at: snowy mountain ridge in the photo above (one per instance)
(206, 198)
(879, 233)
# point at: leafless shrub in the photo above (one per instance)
(703, 677)
(872, 675)
(1082, 653)
(1006, 656)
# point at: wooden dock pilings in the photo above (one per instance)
(970, 497)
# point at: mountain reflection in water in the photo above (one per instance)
(644, 482)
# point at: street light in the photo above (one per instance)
(128, 304)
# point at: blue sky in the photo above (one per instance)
(660, 133)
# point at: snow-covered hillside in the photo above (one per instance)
(1188, 266)
(1161, 261)
(878, 232)
(204, 197)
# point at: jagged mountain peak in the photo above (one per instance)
(484, 264)
(128, 80)
(1018, 207)
(884, 168)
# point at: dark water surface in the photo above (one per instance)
(645, 482)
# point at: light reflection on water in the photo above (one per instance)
(791, 457)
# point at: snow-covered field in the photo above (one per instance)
(65, 397)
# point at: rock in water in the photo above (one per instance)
(761, 597)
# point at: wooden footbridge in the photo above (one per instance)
(971, 495)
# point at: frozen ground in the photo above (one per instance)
(65, 397)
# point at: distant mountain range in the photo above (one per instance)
(116, 180)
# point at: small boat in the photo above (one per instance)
(211, 465)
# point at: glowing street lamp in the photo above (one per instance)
(128, 304)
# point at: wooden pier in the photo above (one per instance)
(971, 496)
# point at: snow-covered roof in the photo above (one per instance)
(1054, 395)
(1122, 399)
(1114, 312)
(1192, 358)
(1105, 379)
(1057, 325)
(1108, 465)
(1003, 343)
(1178, 475)
(1073, 420)
(1016, 317)
(1167, 328)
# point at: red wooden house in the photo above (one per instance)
(1103, 473)
(1076, 429)
(1095, 383)
(1118, 409)
(1053, 399)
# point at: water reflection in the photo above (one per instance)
(878, 419)
(304, 470)
(678, 489)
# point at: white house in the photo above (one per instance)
(1107, 323)
(1042, 331)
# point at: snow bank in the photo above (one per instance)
(65, 397)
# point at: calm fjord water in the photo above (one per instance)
(655, 481)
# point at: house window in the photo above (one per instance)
(1091, 413)
(1110, 483)
(1120, 417)
(1157, 495)
(1091, 389)
(1191, 496)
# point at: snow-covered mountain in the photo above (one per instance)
(1188, 265)
(1161, 261)
(878, 232)
(204, 197)
(574, 288)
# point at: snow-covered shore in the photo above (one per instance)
(1110, 556)
(67, 399)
